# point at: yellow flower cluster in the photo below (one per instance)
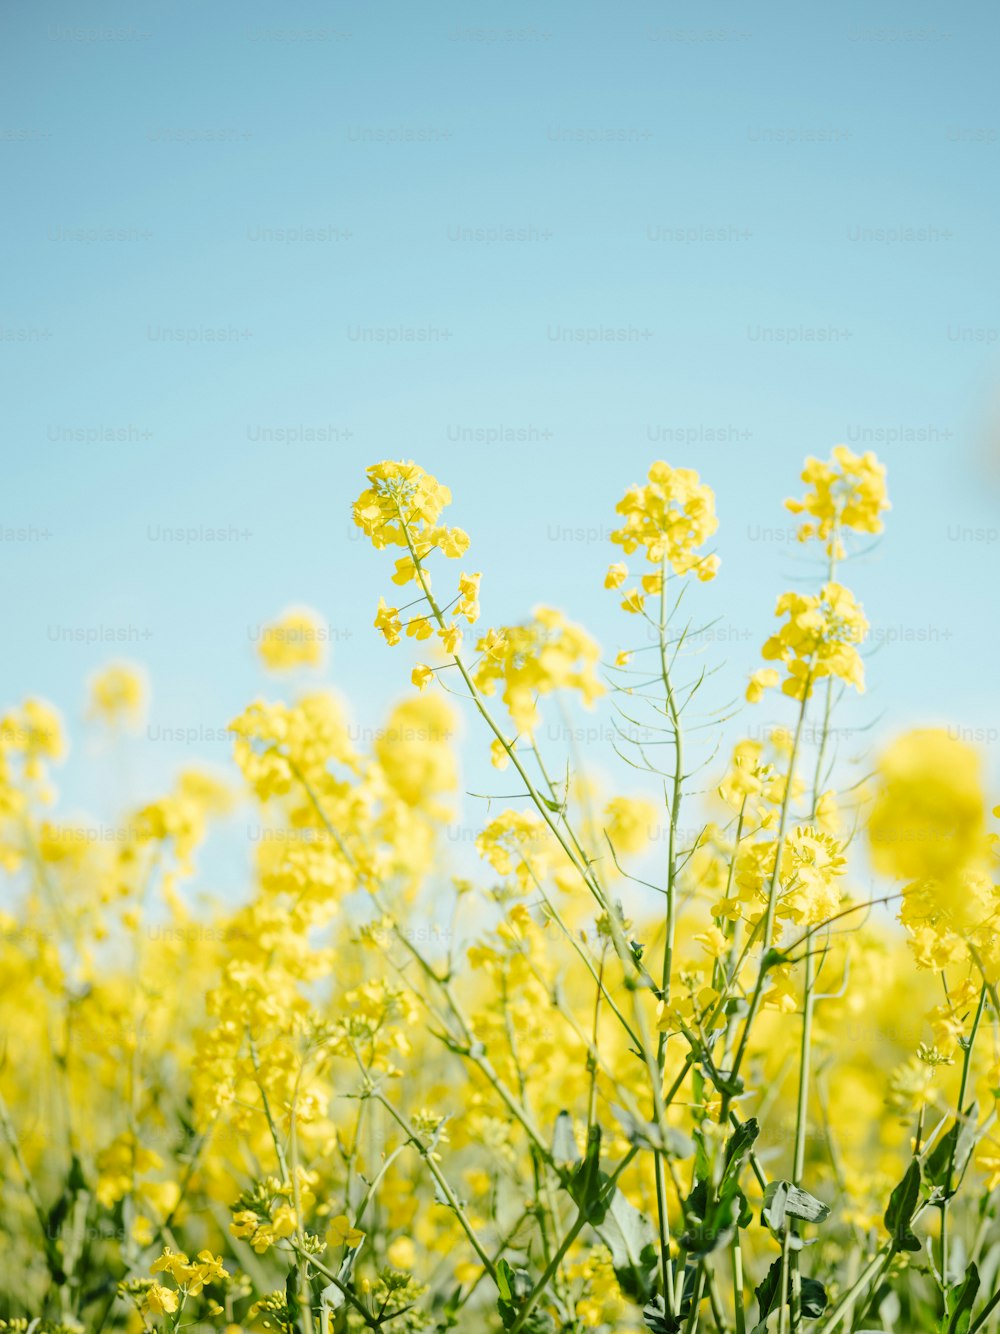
(819, 639)
(401, 507)
(846, 491)
(928, 827)
(118, 694)
(670, 518)
(546, 654)
(297, 638)
(190, 1276)
(374, 1083)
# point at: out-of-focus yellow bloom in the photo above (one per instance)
(401, 1253)
(548, 653)
(762, 680)
(342, 1233)
(119, 694)
(630, 823)
(929, 815)
(298, 638)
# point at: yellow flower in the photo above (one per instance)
(342, 1233)
(159, 1300)
(421, 675)
(929, 815)
(616, 575)
(118, 694)
(406, 570)
(402, 1254)
(415, 753)
(848, 491)
(120, 1164)
(670, 517)
(819, 638)
(499, 756)
(419, 628)
(296, 639)
(387, 620)
(629, 823)
(548, 653)
(760, 681)
(451, 638)
(468, 597)
(988, 1162)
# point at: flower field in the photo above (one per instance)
(721, 1057)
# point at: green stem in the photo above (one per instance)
(772, 900)
(737, 1259)
(790, 1261)
(576, 1228)
(962, 1088)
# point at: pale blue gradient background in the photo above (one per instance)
(912, 130)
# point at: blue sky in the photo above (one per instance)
(787, 215)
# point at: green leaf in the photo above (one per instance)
(901, 1208)
(812, 1291)
(513, 1286)
(960, 1305)
(766, 1292)
(504, 1276)
(740, 1142)
(814, 1297)
(953, 1150)
(657, 1320)
(564, 1148)
(712, 1220)
(592, 1189)
(631, 1239)
(292, 1294)
(783, 1200)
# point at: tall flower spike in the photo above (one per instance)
(401, 507)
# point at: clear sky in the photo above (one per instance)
(414, 226)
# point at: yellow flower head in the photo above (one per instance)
(930, 811)
(400, 507)
(548, 653)
(630, 823)
(819, 638)
(341, 1232)
(670, 517)
(118, 694)
(159, 1300)
(296, 639)
(847, 491)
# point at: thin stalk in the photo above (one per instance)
(772, 899)
(962, 1087)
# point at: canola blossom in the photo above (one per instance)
(665, 1060)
